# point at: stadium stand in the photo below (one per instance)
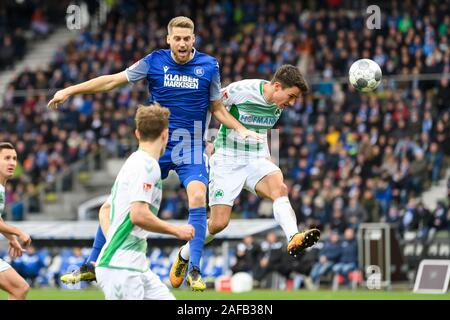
(23, 23)
(347, 158)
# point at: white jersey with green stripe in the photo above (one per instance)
(2, 199)
(139, 180)
(246, 102)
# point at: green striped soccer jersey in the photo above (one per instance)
(139, 179)
(246, 102)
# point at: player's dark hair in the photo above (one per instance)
(151, 121)
(289, 76)
(6, 145)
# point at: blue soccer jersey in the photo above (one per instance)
(186, 90)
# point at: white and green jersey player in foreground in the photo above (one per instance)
(122, 269)
(10, 280)
(244, 163)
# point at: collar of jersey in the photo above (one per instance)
(146, 153)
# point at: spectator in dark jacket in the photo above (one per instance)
(410, 219)
(435, 158)
(6, 52)
(439, 218)
(418, 172)
(298, 268)
(355, 213)
(270, 257)
(424, 218)
(246, 255)
(348, 261)
(328, 257)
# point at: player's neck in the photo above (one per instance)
(3, 181)
(267, 92)
(153, 149)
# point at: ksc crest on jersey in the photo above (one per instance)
(199, 71)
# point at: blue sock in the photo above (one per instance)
(99, 241)
(197, 218)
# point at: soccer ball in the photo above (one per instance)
(365, 75)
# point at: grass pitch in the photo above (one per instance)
(184, 294)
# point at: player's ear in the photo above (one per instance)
(168, 39)
(193, 39)
(136, 133)
(277, 86)
(165, 135)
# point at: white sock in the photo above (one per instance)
(185, 251)
(285, 216)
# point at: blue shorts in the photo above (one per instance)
(192, 166)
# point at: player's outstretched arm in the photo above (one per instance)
(221, 113)
(142, 217)
(99, 84)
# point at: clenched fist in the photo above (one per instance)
(185, 232)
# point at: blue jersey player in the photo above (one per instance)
(188, 83)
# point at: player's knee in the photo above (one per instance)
(280, 191)
(24, 290)
(218, 225)
(20, 292)
(284, 190)
(197, 199)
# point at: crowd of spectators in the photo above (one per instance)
(22, 22)
(347, 157)
(335, 255)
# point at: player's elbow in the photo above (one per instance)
(136, 217)
(219, 113)
(104, 209)
(111, 83)
(138, 214)
(217, 108)
(115, 80)
(103, 214)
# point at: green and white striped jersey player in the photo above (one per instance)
(241, 163)
(10, 231)
(126, 244)
(10, 281)
(122, 269)
(237, 163)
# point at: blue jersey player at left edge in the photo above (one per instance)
(187, 82)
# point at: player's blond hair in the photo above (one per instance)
(180, 22)
(151, 121)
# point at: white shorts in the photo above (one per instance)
(4, 265)
(226, 180)
(120, 284)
